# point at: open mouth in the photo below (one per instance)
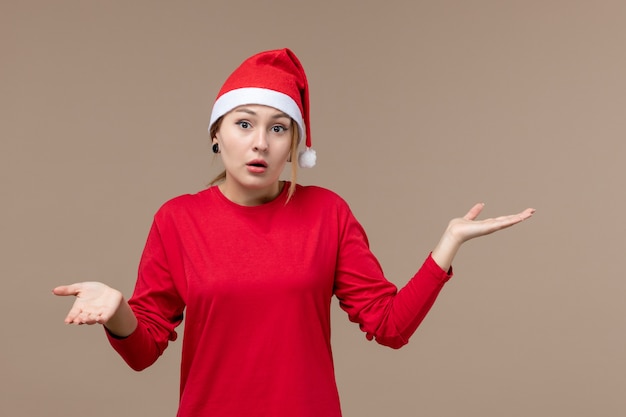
(257, 164)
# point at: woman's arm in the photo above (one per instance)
(384, 313)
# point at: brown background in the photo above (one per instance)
(419, 110)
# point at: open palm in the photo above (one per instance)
(95, 302)
(467, 227)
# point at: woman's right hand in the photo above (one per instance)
(95, 302)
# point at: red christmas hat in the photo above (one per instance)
(271, 78)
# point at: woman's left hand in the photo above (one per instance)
(462, 229)
(467, 227)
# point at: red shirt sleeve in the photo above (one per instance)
(382, 312)
(156, 302)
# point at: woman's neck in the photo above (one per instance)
(248, 197)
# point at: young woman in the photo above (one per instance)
(253, 263)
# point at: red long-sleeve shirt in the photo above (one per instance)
(255, 285)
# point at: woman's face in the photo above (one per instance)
(254, 142)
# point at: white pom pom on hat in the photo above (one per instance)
(307, 158)
(273, 78)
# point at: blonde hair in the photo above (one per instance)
(293, 156)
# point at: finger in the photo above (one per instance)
(523, 215)
(91, 316)
(103, 317)
(515, 218)
(65, 290)
(474, 211)
(90, 320)
(503, 222)
(527, 213)
(85, 317)
(73, 315)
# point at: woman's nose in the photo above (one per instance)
(260, 142)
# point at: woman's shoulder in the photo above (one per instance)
(316, 195)
(184, 203)
(316, 191)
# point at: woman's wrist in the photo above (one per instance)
(124, 322)
(445, 251)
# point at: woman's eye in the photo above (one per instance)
(278, 129)
(243, 124)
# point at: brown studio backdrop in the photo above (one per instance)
(419, 110)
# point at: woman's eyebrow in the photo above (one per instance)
(281, 115)
(253, 113)
(245, 110)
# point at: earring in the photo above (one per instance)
(216, 148)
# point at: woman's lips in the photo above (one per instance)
(257, 166)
